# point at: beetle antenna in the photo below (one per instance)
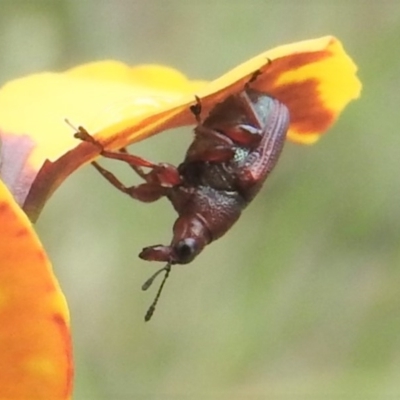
(149, 282)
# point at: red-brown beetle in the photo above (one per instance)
(233, 151)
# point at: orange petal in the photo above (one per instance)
(35, 343)
(315, 79)
(316, 86)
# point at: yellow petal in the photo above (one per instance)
(33, 112)
(120, 105)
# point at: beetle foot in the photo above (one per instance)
(82, 134)
(196, 109)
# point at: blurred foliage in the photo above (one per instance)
(302, 296)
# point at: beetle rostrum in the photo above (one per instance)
(233, 151)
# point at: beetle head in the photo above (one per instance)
(190, 237)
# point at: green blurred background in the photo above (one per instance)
(302, 297)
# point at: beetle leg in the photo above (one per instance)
(249, 109)
(212, 134)
(162, 174)
(254, 76)
(124, 156)
(146, 192)
(244, 135)
(196, 109)
(136, 168)
(251, 133)
(221, 151)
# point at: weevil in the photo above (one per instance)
(233, 151)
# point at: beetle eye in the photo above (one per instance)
(185, 251)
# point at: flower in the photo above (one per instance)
(120, 105)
